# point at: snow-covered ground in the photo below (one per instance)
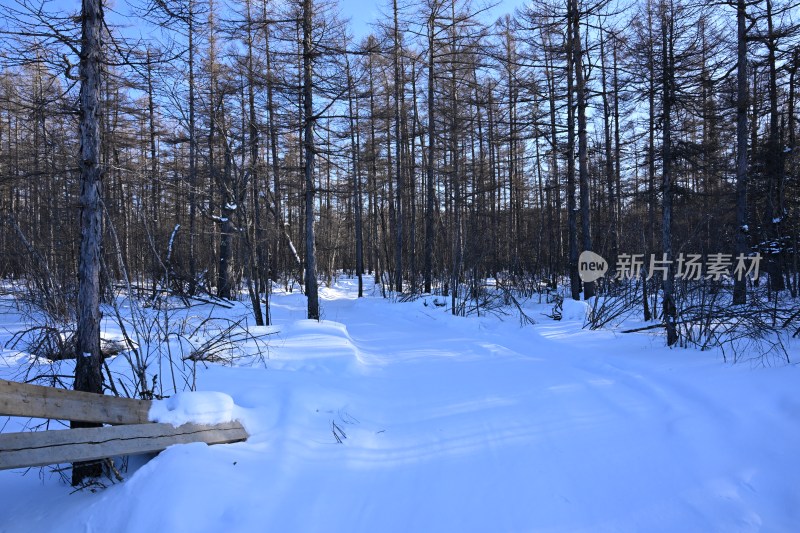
(458, 424)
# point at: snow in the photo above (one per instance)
(574, 310)
(199, 407)
(172, 239)
(453, 424)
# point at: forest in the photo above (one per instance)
(218, 150)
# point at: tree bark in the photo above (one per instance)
(256, 258)
(572, 222)
(557, 247)
(667, 82)
(357, 207)
(774, 163)
(308, 169)
(429, 197)
(155, 190)
(651, 137)
(192, 156)
(398, 251)
(373, 171)
(88, 366)
(739, 285)
(583, 148)
(609, 162)
(279, 228)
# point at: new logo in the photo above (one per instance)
(591, 266)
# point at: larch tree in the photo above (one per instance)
(309, 120)
(742, 229)
(88, 365)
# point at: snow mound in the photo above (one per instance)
(322, 346)
(199, 407)
(574, 310)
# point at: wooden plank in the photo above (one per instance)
(41, 448)
(21, 399)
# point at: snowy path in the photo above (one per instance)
(453, 424)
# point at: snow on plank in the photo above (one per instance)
(88, 444)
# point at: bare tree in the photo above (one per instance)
(88, 369)
(309, 121)
(667, 96)
(742, 229)
(583, 147)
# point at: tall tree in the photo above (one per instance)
(583, 146)
(398, 88)
(667, 95)
(742, 229)
(88, 369)
(258, 260)
(572, 209)
(190, 14)
(356, 169)
(309, 121)
(609, 160)
(431, 26)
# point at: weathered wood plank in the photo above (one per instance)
(22, 399)
(88, 444)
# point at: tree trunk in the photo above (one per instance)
(739, 285)
(155, 191)
(774, 163)
(192, 157)
(398, 250)
(555, 179)
(88, 366)
(355, 146)
(609, 162)
(308, 169)
(429, 197)
(651, 138)
(373, 172)
(583, 149)
(456, 177)
(412, 167)
(392, 234)
(667, 80)
(494, 194)
(572, 222)
(254, 239)
(617, 155)
(278, 223)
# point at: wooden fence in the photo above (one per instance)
(130, 432)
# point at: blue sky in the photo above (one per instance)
(360, 12)
(363, 12)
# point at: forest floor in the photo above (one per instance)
(455, 424)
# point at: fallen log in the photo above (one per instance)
(645, 328)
